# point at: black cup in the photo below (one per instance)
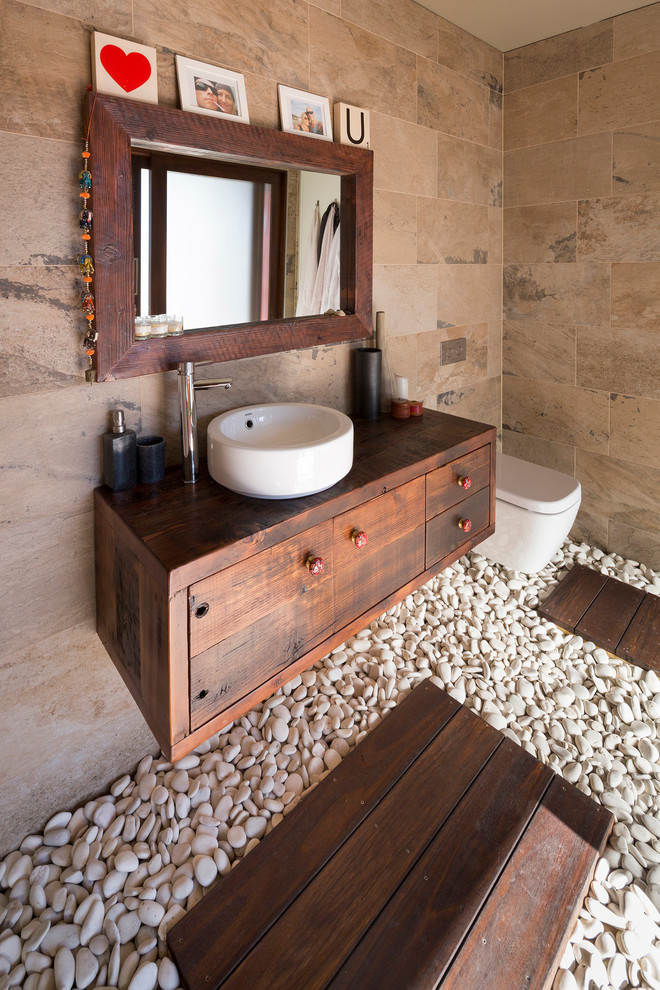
(150, 459)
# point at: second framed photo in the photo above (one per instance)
(304, 113)
(210, 90)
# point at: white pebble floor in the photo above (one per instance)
(88, 902)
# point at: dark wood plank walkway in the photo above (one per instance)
(437, 854)
(612, 614)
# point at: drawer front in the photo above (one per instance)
(442, 487)
(443, 533)
(263, 614)
(393, 554)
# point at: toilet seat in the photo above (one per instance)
(533, 487)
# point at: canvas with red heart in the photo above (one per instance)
(124, 68)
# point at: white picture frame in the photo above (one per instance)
(223, 96)
(295, 108)
(124, 68)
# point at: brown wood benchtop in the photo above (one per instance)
(437, 854)
(179, 525)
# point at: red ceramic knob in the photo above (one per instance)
(465, 482)
(314, 564)
(359, 538)
(465, 525)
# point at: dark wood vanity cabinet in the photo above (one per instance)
(206, 601)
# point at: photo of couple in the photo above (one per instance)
(306, 120)
(215, 96)
(305, 113)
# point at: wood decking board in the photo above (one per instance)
(382, 872)
(612, 614)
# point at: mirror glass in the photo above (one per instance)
(221, 249)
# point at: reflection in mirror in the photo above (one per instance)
(226, 245)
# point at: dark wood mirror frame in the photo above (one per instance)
(115, 125)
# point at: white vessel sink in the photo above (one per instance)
(280, 450)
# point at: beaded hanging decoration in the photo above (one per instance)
(85, 259)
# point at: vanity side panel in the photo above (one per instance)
(132, 610)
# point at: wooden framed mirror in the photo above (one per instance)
(118, 126)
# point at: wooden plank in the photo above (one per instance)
(641, 641)
(441, 897)
(244, 904)
(609, 615)
(572, 597)
(520, 934)
(366, 871)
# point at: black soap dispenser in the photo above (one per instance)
(119, 454)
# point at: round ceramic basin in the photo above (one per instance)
(280, 450)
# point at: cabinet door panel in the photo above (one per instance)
(393, 555)
(444, 535)
(442, 488)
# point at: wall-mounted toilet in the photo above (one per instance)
(534, 510)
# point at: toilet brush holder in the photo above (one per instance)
(368, 366)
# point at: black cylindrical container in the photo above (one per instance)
(119, 459)
(368, 361)
(150, 459)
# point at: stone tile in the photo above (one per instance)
(495, 235)
(592, 529)
(620, 94)
(358, 67)
(395, 228)
(468, 172)
(576, 293)
(544, 352)
(621, 228)
(626, 493)
(547, 453)
(473, 57)
(452, 233)
(626, 361)
(636, 165)
(450, 102)
(635, 297)
(51, 166)
(468, 294)
(46, 102)
(433, 377)
(41, 329)
(635, 429)
(637, 31)
(494, 348)
(479, 401)
(52, 560)
(542, 113)
(51, 468)
(558, 56)
(635, 544)
(331, 6)
(552, 411)
(405, 156)
(109, 16)
(407, 295)
(267, 39)
(496, 120)
(540, 234)
(401, 21)
(563, 170)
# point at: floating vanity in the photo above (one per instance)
(208, 601)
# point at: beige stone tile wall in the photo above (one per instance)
(67, 723)
(581, 332)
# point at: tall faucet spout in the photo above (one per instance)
(188, 407)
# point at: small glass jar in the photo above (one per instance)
(158, 326)
(174, 325)
(142, 328)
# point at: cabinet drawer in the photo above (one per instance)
(263, 613)
(442, 487)
(443, 533)
(394, 552)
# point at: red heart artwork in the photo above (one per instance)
(130, 71)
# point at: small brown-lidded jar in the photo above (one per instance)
(400, 409)
(416, 407)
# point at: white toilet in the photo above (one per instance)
(534, 510)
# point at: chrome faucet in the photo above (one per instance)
(187, 388)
